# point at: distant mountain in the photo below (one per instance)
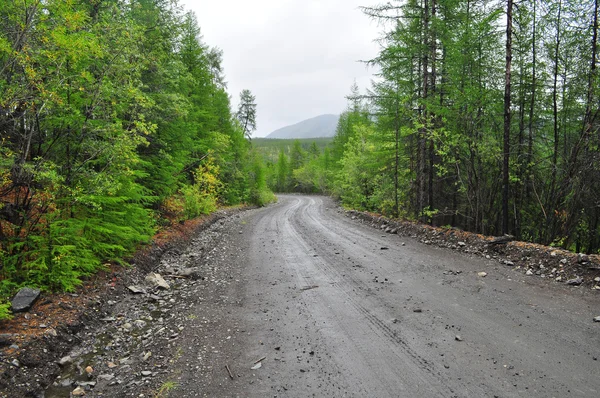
(320, 126)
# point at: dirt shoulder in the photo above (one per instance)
(552, 264)
(72, 327)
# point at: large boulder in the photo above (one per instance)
(24, 299)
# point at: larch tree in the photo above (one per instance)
(246, 113)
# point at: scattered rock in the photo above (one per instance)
(582, 258)
(153, 297)
(89, 370)
(458, 338)
(384, 248)
(509, 263)
(146, 373)
(192, 273)
(461, 244)
(418, 310)
(51, 332)
(86, 383)
(575, 281)
(78, 392)
(64, 361)
(597, 279)
(597, 319)
(136, 289)
(529, 272)
(140, 324)
(257, 365)
(482, 274)
(24, 299)
(107, 377)
(156, 280)
(502, 240)
(6, 339)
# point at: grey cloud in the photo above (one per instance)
(299, 57)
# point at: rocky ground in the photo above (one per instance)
(175, 319)
(118, 335)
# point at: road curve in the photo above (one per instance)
(341, 310)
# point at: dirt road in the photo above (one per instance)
(339, 309)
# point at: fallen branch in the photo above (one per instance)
(229, 371)
(309, 287)
(260, 360)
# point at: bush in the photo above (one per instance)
(262, 197)
(197, 203)
(5, 311)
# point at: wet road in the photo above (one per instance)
(340, 309)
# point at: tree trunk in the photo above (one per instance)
(507, 91)
(552, 197)
(396, 159)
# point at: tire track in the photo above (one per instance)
(345, 284)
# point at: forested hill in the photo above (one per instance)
(114, 120)
(316, 127)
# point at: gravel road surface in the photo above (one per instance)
(329, 307)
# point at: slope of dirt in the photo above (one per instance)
(32, 343)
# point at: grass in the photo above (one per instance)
(165, 389)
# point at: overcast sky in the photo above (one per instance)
(298, 57)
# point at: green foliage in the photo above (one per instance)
(270, 147)
(246, 113)
(260, 194)
(359, 174)
(435, 149)
(5, 311)
(114, 115)
(201, 197)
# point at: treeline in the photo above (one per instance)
(114, 119)
(484, 116)
(300, 165)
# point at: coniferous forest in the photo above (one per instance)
(485, 115)
(114, 121)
